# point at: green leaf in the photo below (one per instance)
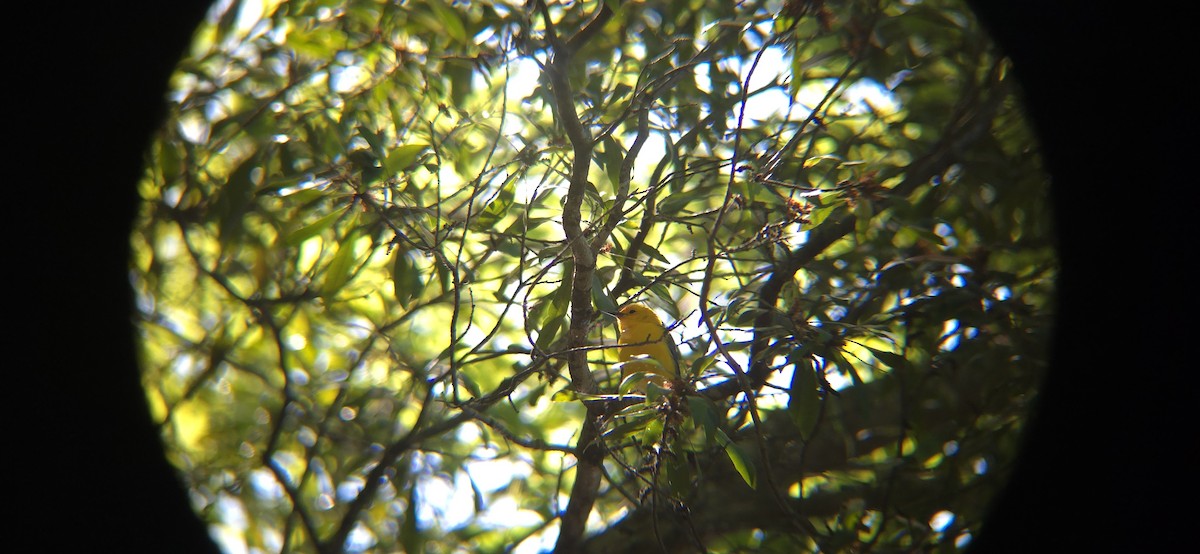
(452, 24)
(663, 293)
(634, 379)
(338, 273)
(402, 157)
(522, 226)
(864, 212)
(653, 431)
(704, 414)
(410, 535)
(315, 43)
(600, 298)
(312, 229)
(702, 363)
(444, 277)
(497, 208)
(611, 160)
(374, 139)
(819, 215)
(890, 359)
(553, 312)
(169, 160)
(675, 203)
(407, 283)
(803, 402)
(843, 364)
(653, 391)
(458, 72)
(234, 200)
(679, 476)
(632, 425)
(814, 160)
(741, 463)
(639, 409)
(655, 254)
(469, 384)
(797, 73)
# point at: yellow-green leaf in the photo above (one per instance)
(312, 229)
(338, 273)
(403, 156)
(452, 24)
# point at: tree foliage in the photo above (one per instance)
(377, 240)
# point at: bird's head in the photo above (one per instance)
(637, 315)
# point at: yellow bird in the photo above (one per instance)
(643, 334)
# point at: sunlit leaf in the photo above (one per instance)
(313, 229)
(891, 359)
(741, 463)
(843, 364)
(403, 156)
(340, 266)
(552, 315)
(452, 24)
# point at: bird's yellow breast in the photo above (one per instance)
(643, 334)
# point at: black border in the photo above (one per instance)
(1103, 87)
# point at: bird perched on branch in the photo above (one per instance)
(645, 346)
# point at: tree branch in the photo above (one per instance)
(588, 470)
(858, 422)
(964, 129)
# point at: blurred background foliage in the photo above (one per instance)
(354, 289)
